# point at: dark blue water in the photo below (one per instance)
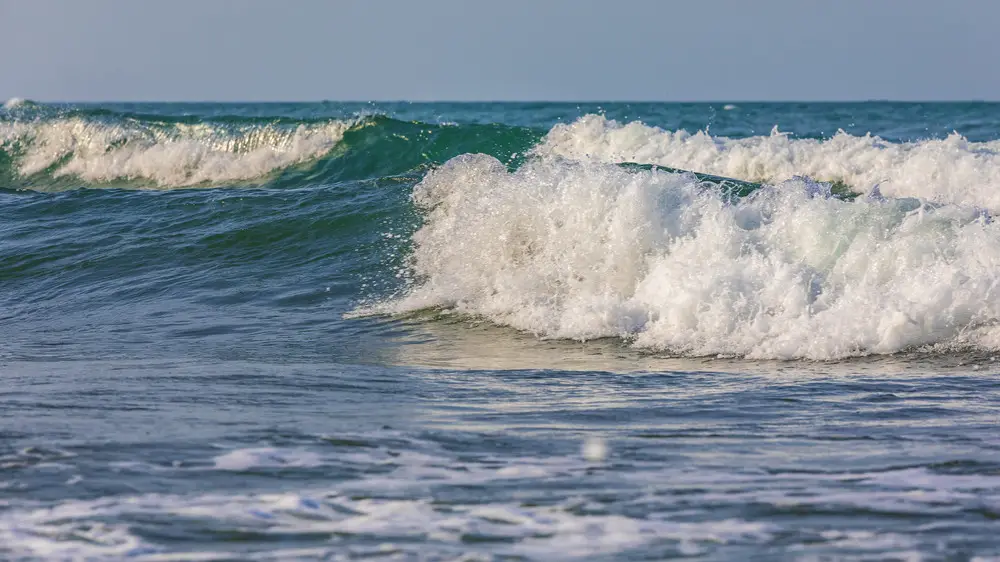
(328, 331)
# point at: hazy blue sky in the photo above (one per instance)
(499, 50)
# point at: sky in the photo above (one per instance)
(710, 50)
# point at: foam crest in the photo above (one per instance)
(174, 155)
(951, 170)
(584, 250)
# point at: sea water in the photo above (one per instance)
(499, 331)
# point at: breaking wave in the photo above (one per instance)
(164, 154)
(47, 148)
(671, 263)
(562, 235)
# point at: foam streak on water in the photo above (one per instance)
(415, 506)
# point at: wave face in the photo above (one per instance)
(586, 250)
(948, 170)
(47, 149)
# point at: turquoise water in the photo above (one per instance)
(507, 331)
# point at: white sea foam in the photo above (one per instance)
(392, 512)
(72, 530)
(950, 170)
(266, 457)
(378, 507)
(176, 155)
(584, 250)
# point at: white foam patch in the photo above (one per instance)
(582, 250)
(951, 170)
(267, 457)
(176, 155)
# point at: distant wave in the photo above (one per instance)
(51, 149)
(166, 154)
(587, 250)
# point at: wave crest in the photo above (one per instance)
(168, 155)
(950, 170)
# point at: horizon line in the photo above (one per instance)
(480, 101)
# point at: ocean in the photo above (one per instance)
(499, 331)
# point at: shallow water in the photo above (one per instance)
(308, 331)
